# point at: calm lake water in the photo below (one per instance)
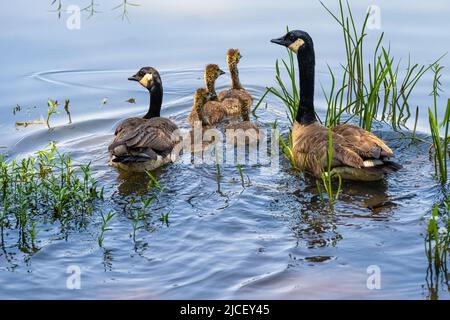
(270, 239)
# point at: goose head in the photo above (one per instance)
(233, 57)
(296, 40)
(147, 77)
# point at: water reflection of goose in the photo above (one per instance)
(357, 153)
(144, 143)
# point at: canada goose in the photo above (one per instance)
(142, 144)
(237, 91)
(209, 111)
(357, 153)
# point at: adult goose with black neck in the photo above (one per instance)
(146, 143)
(357, 153)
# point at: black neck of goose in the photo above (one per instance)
(156, 96)
(306, 65)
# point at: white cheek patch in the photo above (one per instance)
(296, 45)
(146, 80)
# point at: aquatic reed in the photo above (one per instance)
(66, 108)
(52, 109)
(138, 209)
(91, 9)
(437, 243)
(105, 221)
(124, 5)
(440, 146)
(439, 149)
(139, 214)
(59, 7)
(370, 90)
(327, 177)
(164, 219)
(153, 182)
(216, 156)
(241, 174)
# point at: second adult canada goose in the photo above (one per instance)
(211, 111)
(357, 153)
(237, 91)
(146, 143)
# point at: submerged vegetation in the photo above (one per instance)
(47, 187)
(140, 213)
(105, 220)
(52, 109)
(50, 189)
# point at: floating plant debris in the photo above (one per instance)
(17, 109)
(29, 123)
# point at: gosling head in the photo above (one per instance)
(212, 72)
(298, 41)
(200, 98)
(201, 95)
(233, 56)
(147, 77)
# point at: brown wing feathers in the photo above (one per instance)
(369, 145)
(140, 138)
(351, 145)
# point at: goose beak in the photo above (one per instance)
(134, 78)
(281, 41)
